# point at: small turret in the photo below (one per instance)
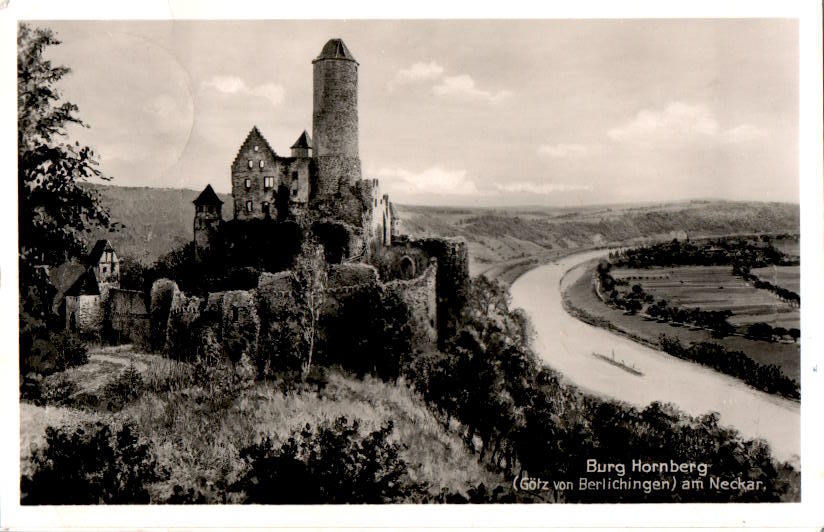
(208, 216)
(302, 146)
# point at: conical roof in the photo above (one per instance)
(335, 49)
(207, 197)
(303, 141)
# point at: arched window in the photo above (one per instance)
(261, 164)
(248, 183)
(250, 163)
(248, 206)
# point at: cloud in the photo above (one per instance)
(464, 86)
(419, 72)
(168, 114)
(432, 180)
(272, 92)
(542, 188)
(744, 133)
(564, 150)
(680, 122)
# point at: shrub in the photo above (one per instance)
(332, 464)
(122, 389)
(90, 465)
(55, 390)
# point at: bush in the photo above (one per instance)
(90, 465)
(332, 464)
(123, 389)
(55, 390)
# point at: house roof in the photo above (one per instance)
(97, 251)
(303, 141)
(208, 197)
(86, 285)
(335, 49)
(254, 136)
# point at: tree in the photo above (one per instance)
(54, 210)
(310, 278)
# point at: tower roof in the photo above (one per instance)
(207, 197)
(335, 49)
(303, 141)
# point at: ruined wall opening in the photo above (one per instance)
(407, 267)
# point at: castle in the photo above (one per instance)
(318, 192)
(319, 183)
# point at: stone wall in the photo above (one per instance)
(84, 314)
(161, 295)
(452, 278)
(420, 297)
(126, 316)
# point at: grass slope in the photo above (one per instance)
(199, 443)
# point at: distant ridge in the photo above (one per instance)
(157, 220)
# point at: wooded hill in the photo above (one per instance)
(155, 221)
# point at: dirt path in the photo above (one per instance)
(568, 345)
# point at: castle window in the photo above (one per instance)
(248, 183)
(294, 175)
(261, 164)
(248, 206)
(234, 314)
(256, 147)
(250, 163)
(268, 182)
(294, 192)
(104, 269)
(265, 207)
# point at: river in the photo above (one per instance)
(567, 345)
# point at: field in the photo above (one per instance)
(788, 277)
(581, 297)
(715, 288)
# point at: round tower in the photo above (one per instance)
(335, 118)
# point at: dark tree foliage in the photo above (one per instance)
(529, 424)
(332, 464)
(54, 210)
(765, 377)
(90, 465)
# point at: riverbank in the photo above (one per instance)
(566, 344)
(580, 300)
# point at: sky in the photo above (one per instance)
(504, 112)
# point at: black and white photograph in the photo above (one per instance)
(438, 262)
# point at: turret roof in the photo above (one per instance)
(208, 197)
(335, 49)
(303, 141)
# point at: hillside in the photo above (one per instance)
(158, 220)
(154, 220)
(514, 235)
